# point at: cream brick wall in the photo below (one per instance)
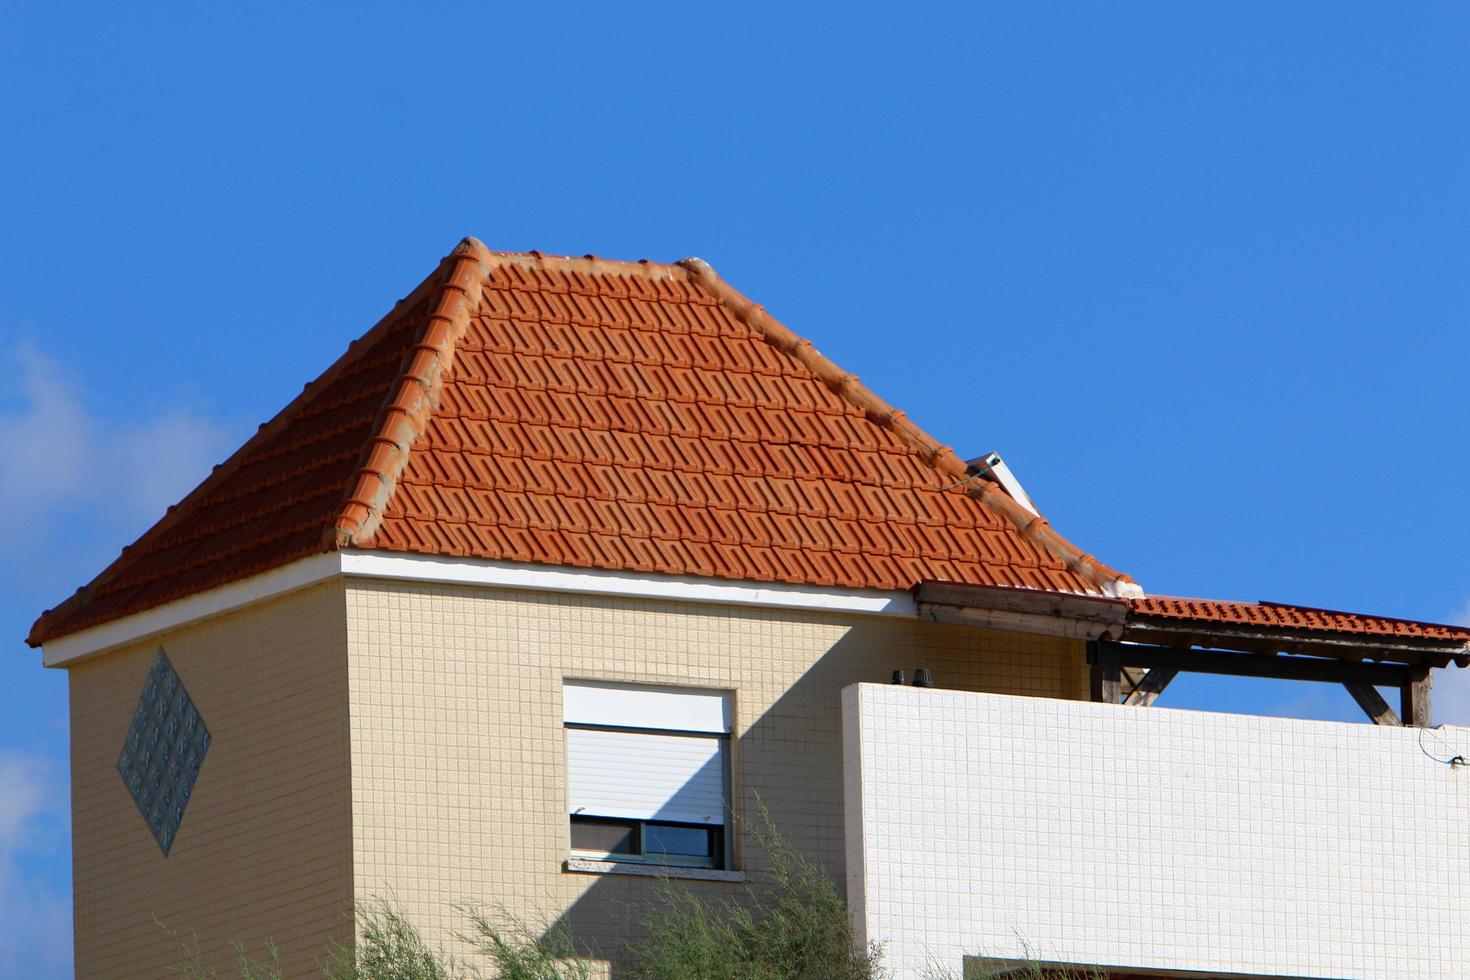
(264, 851)
(458, 787)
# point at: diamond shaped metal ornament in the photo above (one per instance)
(163, 751)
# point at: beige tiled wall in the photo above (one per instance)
(457, 742)
(447, 785)
(264, 848)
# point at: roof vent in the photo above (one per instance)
(993, 468)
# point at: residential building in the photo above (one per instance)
(567, 563)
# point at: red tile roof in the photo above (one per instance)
(608, 415)
(1279, 616)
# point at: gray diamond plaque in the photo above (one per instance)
(163, 751)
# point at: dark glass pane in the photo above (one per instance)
(603, 836)
(687, 841)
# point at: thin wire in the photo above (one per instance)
(1454, 762)
(981, 471)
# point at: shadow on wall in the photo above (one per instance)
(790, 759)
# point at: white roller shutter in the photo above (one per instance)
(678, 709)
(646, 776)
(661, 772)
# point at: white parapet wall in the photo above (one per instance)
(982, 825)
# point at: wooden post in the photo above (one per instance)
(1414, 697)
(1151, 686)
(1107, 672)
(1132, 677)
(1372, 703)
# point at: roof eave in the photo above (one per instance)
(1282, 639)
(1068, 615)
(56, 622)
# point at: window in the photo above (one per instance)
(647, 773)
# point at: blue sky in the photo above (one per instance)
(1197, 271)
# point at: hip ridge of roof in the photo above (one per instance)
(413, 400)
(942, 458)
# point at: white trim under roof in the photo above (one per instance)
(685, 588)
(466, 571)
(201, 605)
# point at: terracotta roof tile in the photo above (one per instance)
(1278, 615)
(600, 414)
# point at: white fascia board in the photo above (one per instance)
(465, 571)
(682, 588)
(202, 605)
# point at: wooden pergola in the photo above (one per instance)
(1134, 651)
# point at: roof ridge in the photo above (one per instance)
(941, 457)
(590, 264)
(413, 399)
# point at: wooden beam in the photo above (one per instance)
(1014, 622)
(1107, 672)
(1151, 686)
(1113, 612)
(1436, 653)
(1022, 610)
(1256, 665)
(1372, 703)
(1414, 697)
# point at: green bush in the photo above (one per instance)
(1030, 970)
(794, 926)
(191, 963)
(791, 923)
(388, 947)
(1029, 967)
(519, 952)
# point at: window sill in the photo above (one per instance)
(589, 867)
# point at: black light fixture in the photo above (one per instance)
(922, 678)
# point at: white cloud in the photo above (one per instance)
(49, 438)
(63, 456)
(36, 941)
(74, 483)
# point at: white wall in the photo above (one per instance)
(1153, 838)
